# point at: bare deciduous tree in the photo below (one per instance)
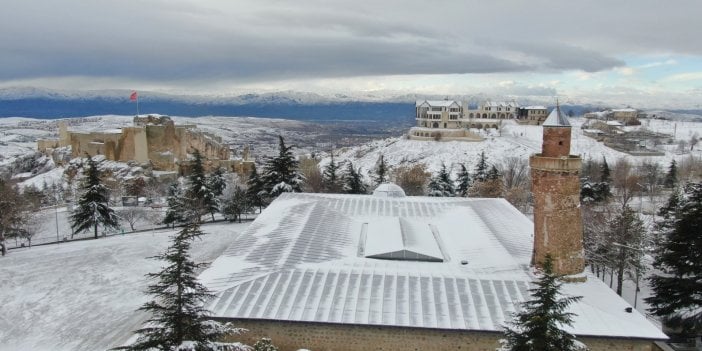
(309, 167)
(412, 179)
(132, 214)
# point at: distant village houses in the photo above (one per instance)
(627, 116)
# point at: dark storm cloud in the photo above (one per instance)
(166, 41)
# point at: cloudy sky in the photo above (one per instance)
(625, 52)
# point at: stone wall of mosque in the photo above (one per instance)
(292, 336)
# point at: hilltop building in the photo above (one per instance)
(153, 139)
(451, 119)
(441, 120)
(392, 272)
(532, 114)
(493, 110)
(627, 116)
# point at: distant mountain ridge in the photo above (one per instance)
(382, 106)
(50, 104)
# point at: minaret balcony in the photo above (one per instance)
(571, 163)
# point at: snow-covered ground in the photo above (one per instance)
(516, 141)
(18, 136)
(83, 295)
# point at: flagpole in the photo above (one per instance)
(137, 104)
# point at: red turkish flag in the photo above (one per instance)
(133, 97)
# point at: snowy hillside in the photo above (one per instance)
(83, 295)
(516, 141)
(18, 138)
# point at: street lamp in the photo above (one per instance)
(56, 197)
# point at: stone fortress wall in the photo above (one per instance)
(153, 139)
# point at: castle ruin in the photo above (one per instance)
(152, 139)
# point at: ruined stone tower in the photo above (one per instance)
(556, 191)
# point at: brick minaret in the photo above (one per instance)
(556, 190)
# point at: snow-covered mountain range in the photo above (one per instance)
(378, 105)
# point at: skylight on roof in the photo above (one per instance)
(401, 239)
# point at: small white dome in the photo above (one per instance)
(388, 190)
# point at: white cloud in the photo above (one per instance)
(668, 62)
(683, 77)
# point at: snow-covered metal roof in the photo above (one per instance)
(501, 104)
(437, 103)
(556, 119)
(307, 258)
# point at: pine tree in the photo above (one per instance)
(14, 213)
(671, 178)
(93, 204)
(215, 185)
(177, 309)
(353, 180)
(380, 175)
(198, 193)
(265, 344)
(330, 176)
(176, 206)
(493, 173)
(481, 168)
(626, 243)
(537, 327)
(464, 181)
(605, 176)
(441, 184)
(677, 289)
(255, 189)
(234, 203)
(281, 173)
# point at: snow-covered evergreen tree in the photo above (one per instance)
(677, 287)
(177, 319)
(353, 180)
(234, 203)
(93, 205)
(255, 191)
(464, 181)
(216, 184)
(330, 177)
(199, 194)
(605, 176)
(626, 238)
(671, 178)
(493, 173)
(441, 184)
(380, 173)
(175, 214)
(538, 326)
(481, 168)
(265, 344)
(489, 185)
(14, 213)
(281, 173)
